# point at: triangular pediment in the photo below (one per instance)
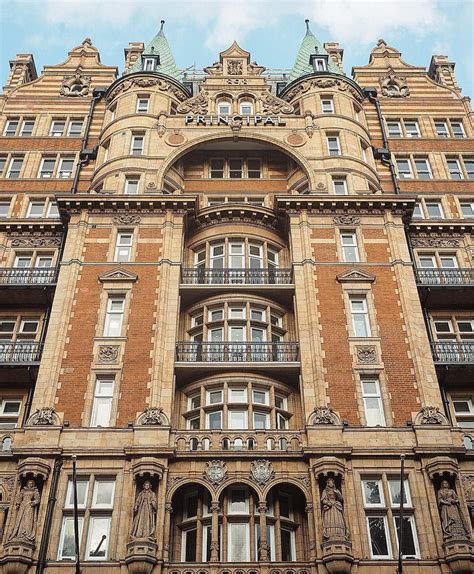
(354, 275)
(235, 51)
(117, 274)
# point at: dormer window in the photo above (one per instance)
(246, 108)
(223, 108)
(319, 62)
(149, 64)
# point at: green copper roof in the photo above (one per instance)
(159, 46)
(309, 46)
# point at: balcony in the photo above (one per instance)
(27, 285)
(433, 284)
(20, 353)
(198, 358)
(454, 360)
(197, 282)
(245, 441)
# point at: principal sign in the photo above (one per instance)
(234, 120)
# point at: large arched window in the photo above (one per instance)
(237, 253)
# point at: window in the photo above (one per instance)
(319, 64)
(3, 162)
(57, 128)
(4, 208)
(75, 128)
(434, 209)
(350, 251)
(334, 148)
(417, 211)
(360, 317)
(53, 210)
(123, 246)
(214, 397)
(11, 128)
(113, 112)
(223, 108)
(142, 105)
(27, 128)
(235, 168)
(132, 185)
(14, 167)
(412, 129)
(102, 404)
(47, 168)
(461, 167)
(217, 168)
(246, 108)
(467, 210)
(214, 420)
(137, 145)
(287, 544)
(373, 493)
(327, 105)
(237, 419)
(423, 169)
(442, 129)
(254, 170)
(98, 538)
(410, 540)
(65, 167)
(379, 541)
(455, 170)
(67, 548)
(394, 129)
(404, 168)
(457, 128)
(36, 209)
(373, 406)
(464, 411)
(469, 167)
(149, 65)
(339, 185)
(114, 316)
(9, 413)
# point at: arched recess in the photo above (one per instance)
(287, 480)
(186, 484)
(247, 136)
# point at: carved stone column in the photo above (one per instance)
(142, 548)
(215, 531)
(20, 539)
(166, 529)
(263, 550)
(458, 546)
(336, 545)
(312, 535)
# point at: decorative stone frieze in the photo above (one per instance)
(346, 220)
(44, 416)
(152, 416)
(261, 471)
(35, 241)
(323, 83)
(146, 82)
(434, 242)
(108, 354)
(216, 471)
(323, 415)
(127, 219)
(430, 415)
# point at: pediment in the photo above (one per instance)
(355, 275)
(235, 51)
(117, 274)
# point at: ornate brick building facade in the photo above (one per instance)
(238, 298)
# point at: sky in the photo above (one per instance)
(198, 30)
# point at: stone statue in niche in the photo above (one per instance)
(144, 513)
(332, 508)
(24, 527)
(452, 523)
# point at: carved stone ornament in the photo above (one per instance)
(346, 220)
(108, 353)
(144, 513)
(261, 471)
(430, 415)
(323, 83)
(393, 86)
(366, 354)
(35, 241)
(198, 104)
(332, 510)
(45, 416)
(320, 186)
(26, 513)
(76, 85)
(235, 67)
(6, 488)
(452, 522)
(216, 471)
(216, 69)
(355, 275)
(434, 242)
(272, 105)
(158, 83)
(117, 275)
(323, 416)
(127, 219)
(152, 416)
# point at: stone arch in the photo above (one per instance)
(188, 482)
(248, 136)
(234, 481)
(288, 480)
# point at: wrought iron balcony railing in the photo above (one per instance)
(230, 352)
(24, 352)
(28, 275)
(445, 277)
(236, 276)
(245, 440)
(452, 352)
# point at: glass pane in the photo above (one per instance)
(237, 395)
(103, 492)
(378, 536)
(98, 538)
(395, 491)
(286, 545)
(215, 420)
(237, 419)
(260, 397)
(238, 500)
(191, 505)
(372, 492)
(409, 547)
(238, 543)
(82, 486)
(214, 397)
(260, 421)
(190, 545)
(67, 549)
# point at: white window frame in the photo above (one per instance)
(69, 502)
(140, 109)
(347, 247)
(23, 123)
(52, 129)
(13, 159)
(409, 134)
(70, 519)
(98, 401)
(446, 133)
(243, 104)
(336, 148)
(339, 180)
(367, 504)
(61, 170)
(325, 108)
(460, 123)
(94, 504)
(92, 520)
(7, 128)
(121, 245)
(364, 313)
(411, 519)
(399, 132)
(471, 207)
(42, 174)
(224, 103)
(71, 123)
(128, 181)
(427, 169)
(35, 202)
(109, 315)
(134, 148)
(387, 537)
(402, 174)
(377, 395)
(149, 65)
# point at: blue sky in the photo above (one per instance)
(271, 30)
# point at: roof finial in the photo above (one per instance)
(308, 31)
(161, 28)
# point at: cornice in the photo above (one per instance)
(320, 80)
(242, 213)
(148, 80)
(28, 225)
(448, 226)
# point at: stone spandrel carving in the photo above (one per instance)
(323, 415)
(262, 471)
(26, 514)
(273, 105)
(144, 513)
(198, 104)
(45, 416)
(35, 241)
(216, 471)
(332, 508)
(452, 522)
(434, 242)
(430, 415)
(153, 416)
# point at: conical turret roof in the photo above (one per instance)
(159, 46)
(309, 46)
